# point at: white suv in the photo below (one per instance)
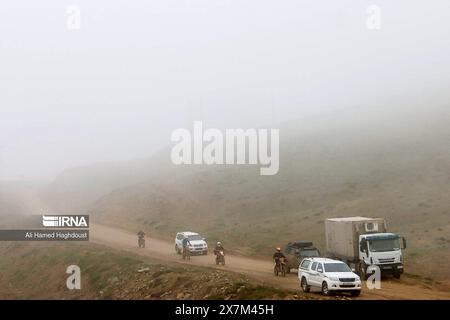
(197, 242)
(328, 275)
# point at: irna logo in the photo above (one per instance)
(66, 221)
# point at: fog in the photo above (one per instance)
(135, 71)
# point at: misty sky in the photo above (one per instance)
(136, 70)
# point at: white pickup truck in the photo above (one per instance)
(198, 244)
(328, 276)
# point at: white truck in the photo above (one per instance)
(364, 244)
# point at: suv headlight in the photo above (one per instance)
(334, 278)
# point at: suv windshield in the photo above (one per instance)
(337, 267)
(195, 237)
(380, 245)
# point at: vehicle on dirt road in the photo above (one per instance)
(220, 257)
(197, 245)
(364, 245)
(280, 267)
(328, 276)
(295, 252)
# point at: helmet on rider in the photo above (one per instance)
(219, 243)
(278, 249)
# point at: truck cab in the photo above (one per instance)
(383, 250)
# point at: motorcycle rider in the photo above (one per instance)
(219, 247)
(141, 234)
(278, 255)
(186, 243)
(141, 238)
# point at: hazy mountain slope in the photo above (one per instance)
(17, 201)
(77, 188)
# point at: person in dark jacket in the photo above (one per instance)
(219, 247)
(141, 239)
(186, 244)
(278, 254)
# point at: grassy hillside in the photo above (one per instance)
(392, 164)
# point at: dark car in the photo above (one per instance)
(295, 252)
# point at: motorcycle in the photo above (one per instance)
(141, 242)
(186, 253)
(280, 267)
(220, 257)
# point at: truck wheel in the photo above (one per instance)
(355, 293)
(397, 275)
(305, 286)
(325, 290)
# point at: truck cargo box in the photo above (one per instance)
(342, 235)
(300, 244)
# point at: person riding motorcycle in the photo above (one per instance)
(141, 239)
(141, 234)
(219, 247)
(278, 255)
(186, 243)
(219, 251)
(280, 262)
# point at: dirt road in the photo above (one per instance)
(253, 268)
